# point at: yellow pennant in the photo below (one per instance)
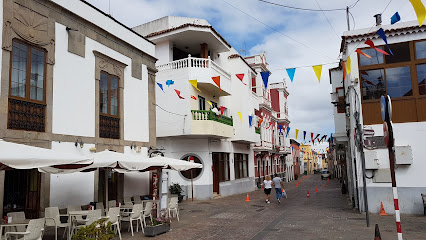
(420, 10)
(194, 83)
(241, 117)
(297, 132)
(318, 70)
(348, 65)
(210, 103)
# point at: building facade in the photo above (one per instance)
(308, 158)
(71, 79)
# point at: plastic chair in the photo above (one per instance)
(101, 207)
(134, 215)
(112, 204)
(114, 217)
(147, 212)
(173, 207)
(128, 201)
(92, 217)
(77, 219)
(137, 199)
(34, 230)
(52, 216)
(17, 217)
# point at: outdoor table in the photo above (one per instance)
(13, 224)
(74, 214)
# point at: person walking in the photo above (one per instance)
(278, 184)
(267, 186)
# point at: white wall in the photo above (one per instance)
(136, 183)
(74, 92)
(74, 188)
(164, 52)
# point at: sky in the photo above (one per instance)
(290, 38)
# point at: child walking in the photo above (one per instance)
(267, 186)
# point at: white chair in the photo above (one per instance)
(147, 212)
(34, 230)
(51, 214)
(114, 218)
(92, 217)
(173, 207)
(135, 215)
(78, 220)
(101, 207)
(128, 201)
(17, 217)
(112, 204)
(137, 199)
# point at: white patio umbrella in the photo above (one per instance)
(20, 156)
(176, 164)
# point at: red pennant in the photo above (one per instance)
(193, 97)
(371, 44)
(360, 52)
(178, 93)
(222, 109)
(241, 77)
(312, 136)
(318, 140)
(217, 81)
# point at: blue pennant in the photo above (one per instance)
(161, 86)
(382, 34)
(250, 120)
(265, 77)
(170, 82)
(395, 18)
(291, 72)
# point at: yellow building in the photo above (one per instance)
(308, 158)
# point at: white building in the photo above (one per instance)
(402, 77)
(76, 80)
(187, 128)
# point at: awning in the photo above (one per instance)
(176, 164)
(20, 156)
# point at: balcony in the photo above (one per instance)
(201, 69)
(263, 146)
(207, 123)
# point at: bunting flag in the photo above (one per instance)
(344, 69)
(297, 133)
(241, 77)
(325, 137)
(382, 34)
(290, 73)
(304, 135)
(210, 103)
(420, 10)
(318, 141)
(317, 136)
(395, 18)
(217, 81)
(360, 52)
(241, 117)
(161, 86)
(265, 77)
(318, 70)
(260, 121)
(193, 97)
(312, 136)
(280, 127)
(371, 44)
(288, 130)
(331, 137)
(348, 65)
(178, 93)
(194, 83)
(170, 82)
(250, 120)
(222, 109)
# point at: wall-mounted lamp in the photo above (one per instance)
(71, 29)
(79, 141)
(133, 145)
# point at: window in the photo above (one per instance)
(109, 120)
(421, 78)
(401, 53)
(27, 88)
(373, 86)
(253, 84)
(399, 82)
(376, 57)
(201, 103)
(420, 49)
(196, 171)
(240, 165)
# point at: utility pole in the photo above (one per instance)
(347, 18)
(361, 147)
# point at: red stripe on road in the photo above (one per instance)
(398, 227)
(395, 203)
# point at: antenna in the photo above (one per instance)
(109, 7)
(244, 50)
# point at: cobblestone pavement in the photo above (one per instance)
(325, 215)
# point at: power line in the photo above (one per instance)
(276, 30)
(184, 115)
(334, 30)
(280, 69)
(310, 9)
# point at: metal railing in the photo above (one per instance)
(204, 115)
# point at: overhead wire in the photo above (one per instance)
(334, 30)
(310, 9)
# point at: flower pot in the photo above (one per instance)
(152, 231)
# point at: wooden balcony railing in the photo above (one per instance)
(109, 127)
(24, 115)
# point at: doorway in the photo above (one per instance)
(112, 186)
(22, 192)
(220, 169)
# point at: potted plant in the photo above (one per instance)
(100, 230)
(176, 189)
(158, 225)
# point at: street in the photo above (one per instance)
(325, 215)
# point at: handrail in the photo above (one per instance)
(204, 115)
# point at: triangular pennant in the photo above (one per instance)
(193, 97)
(260, 122)
(210, 103)
(325, 137)
(331, 137)
(280, 127)
(304, 135)
(318, 70)
(290, 73)
(344, 69)
(317, 136)
(170, 82)
(371, 44)
(288, 130)
(420, 10)
(348, 65)
(250, 120)
(265, 78)
(360, 52)
(297, 133)
(217, 81)
(178, 93)
(241, 77)
(241, 117)
(382, 34)
(312, 136)
(194, 83)
(161, 86)
(395, 18)
(222, 109)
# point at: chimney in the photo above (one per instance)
(378, 19)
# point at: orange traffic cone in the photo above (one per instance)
(327, 183)
(382, 210)
(247, 198)
(297, 185)
(323, 186)
(307, 194)
(316, 189)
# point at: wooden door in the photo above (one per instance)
(215, 169)
(32, 206)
